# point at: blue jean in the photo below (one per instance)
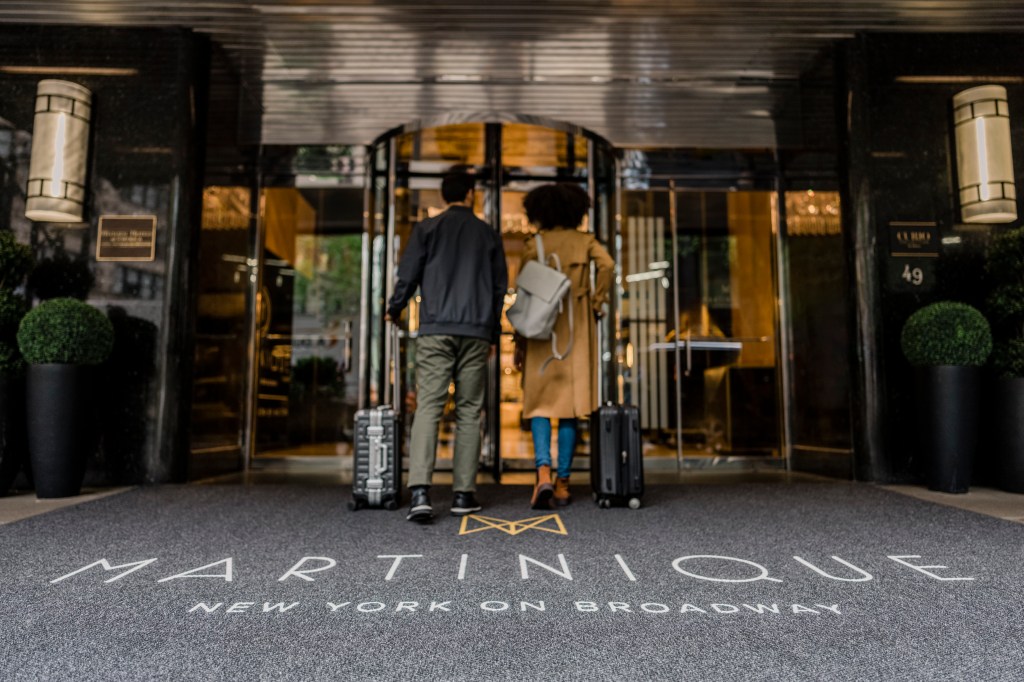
(541, 429)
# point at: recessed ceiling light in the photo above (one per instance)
(459, 78)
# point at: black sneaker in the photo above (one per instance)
(465, 503)
(419, 505)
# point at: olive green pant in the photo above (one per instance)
(439, 361)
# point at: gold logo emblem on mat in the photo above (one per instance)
(550, 523)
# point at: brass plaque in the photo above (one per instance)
(126, 238)
(913, 239)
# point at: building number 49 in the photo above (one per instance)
(913, 275)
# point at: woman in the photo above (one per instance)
(562, 385)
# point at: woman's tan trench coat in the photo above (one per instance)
(568, 388)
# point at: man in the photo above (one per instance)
(458, 263)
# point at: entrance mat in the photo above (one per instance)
(754, 581)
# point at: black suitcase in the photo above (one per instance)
(616, 457)
(377, 469)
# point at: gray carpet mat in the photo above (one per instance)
(700, 583)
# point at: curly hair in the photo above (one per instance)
(562, 204)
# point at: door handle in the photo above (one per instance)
(689, 353)
(346, 351)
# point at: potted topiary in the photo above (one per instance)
(62, 339)
(1005, 305)
(15, 264)
(947, 342)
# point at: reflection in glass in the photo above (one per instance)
(433, 150)
(218, 400)
(308, 317)
(820, 390)
(539, 151)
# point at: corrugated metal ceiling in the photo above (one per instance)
(676, 73)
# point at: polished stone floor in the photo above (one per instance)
(23, 505)
(988, 501)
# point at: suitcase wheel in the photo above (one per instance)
(354, 506)
(604, 504)
(634, 503)
(594, 495)
(392, 505)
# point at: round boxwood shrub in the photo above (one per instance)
(65, 331)
(947, 333)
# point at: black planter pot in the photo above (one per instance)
(1006, 433)
(62, 430)
(948, 413)
(13, 440)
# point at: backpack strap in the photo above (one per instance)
(540, 250)
(555, 355)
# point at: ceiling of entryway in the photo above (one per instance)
(678, 73)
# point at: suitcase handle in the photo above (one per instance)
(392, 389)
(378, 458)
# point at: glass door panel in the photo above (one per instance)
(725, 258)
(375, 290)
(219, 385)
(516, 441)
(647, 291)
(308, 319)
(325, 321)
(697, 351)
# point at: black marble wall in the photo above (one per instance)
(898, 162)
(146, 158)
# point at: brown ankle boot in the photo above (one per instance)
(562, 496)
(543, 491)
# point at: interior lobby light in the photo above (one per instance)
(60, 149)
(984, 159)
(813, 214)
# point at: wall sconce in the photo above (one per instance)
(60, 149)
(984, 159)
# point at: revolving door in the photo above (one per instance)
(508, 158)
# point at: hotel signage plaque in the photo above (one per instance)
(912, 246)
(126, 238)
(913, 239)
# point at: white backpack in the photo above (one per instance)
(539, 293)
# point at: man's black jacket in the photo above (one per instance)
(458, 262)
